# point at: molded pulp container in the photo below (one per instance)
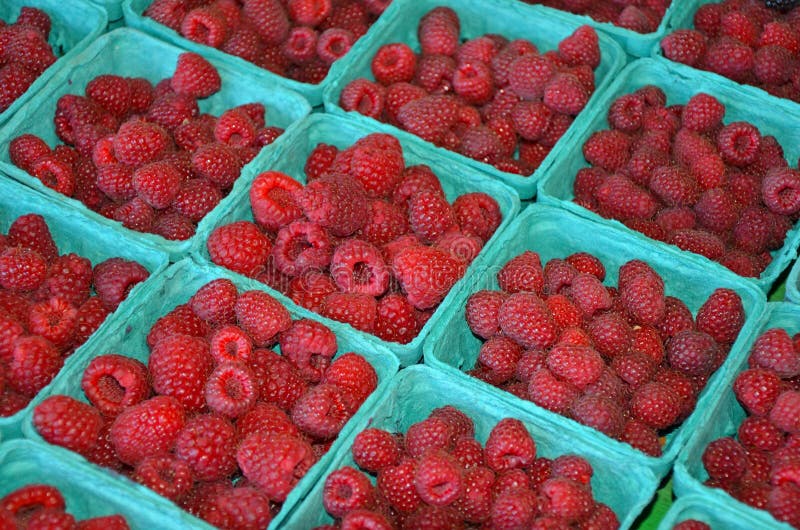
(135, 18)
(72, 232)
(87, 492)
(793, 284)
(544, 27)
(680, 83)
(416, 391)
(555, 233)
(126, 336)
(133, 54)
(724, 417)
(290, 156)
(716, 513)
(74, 26)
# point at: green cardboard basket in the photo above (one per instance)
(126, 336)
(723, 418)
(716, 513)
(680, 83)
(133, 11)
(556, 233)
(290, 156)
(793, 284)
(544, 27)
(74, 26)
(72, 232)
(416, 391)
(131, 53)
(87, 492)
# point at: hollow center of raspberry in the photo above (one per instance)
(441, 487)
(337, 47)
(365, 104)
(344, 492)
(234, 388)
(298, 246)
(742, 143)
(232, 349)
(48, 178)
(166, 474)
(111, 389)
(362, 273)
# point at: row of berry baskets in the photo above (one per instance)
(439, 279)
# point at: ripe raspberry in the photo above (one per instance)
(15, 79)
(482, 313)
(375, 161)
(757, 389)
(66, 422)
(231, 389)
(509, 446)
(385, 223)
(90, 315)
(394, 63)
(374, 450)
(477, 214)
(702, 113)
(135, 215)
(164, 474)
(240, 247)
(607, 149)
(21, 269)
(309, 346)
(698, 241)
(656, 405)
(179, 321)
(721, 316)
(785, 414)
(476, 502)
(567, 499)
(588, 294)
(599, 413)
(578, 365)
(235, 129)
(759, 433)
(774, 350)
(438, 32)
(364, 97)
(34, 362)
(498, 358)
(725, 460)
(147, 429)
(53, 319)
(693, 353)
(111, 92)
(139, 142)
(321, 412)
(782, 503)
(31, 231)
(438, 479)
(207, 443)
(205, 25)
(526, 319)
(565, 94)
(738, 143)
(426, 274)
(611, 334)
(674, 186)
(218, 163)
(310, 290)
(514, 509)
(529, 75)
(472, 81)
(114, 278)
(157, 183)
(582, 47)
(396, 321)
(429, 117)
(642, 437)
(685, 46)
(24, 150)
(113, 382)
(730, 58)
(301, 247)
(780, 190)
(354, 376)
(358, 310)
(274, 462)
(336, 202)
(347, 489)
(634, 368)
(772, 65)
(522, 273)
(24, 502)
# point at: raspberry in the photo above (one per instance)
(642, 437)
(301, 247)
(231, 389)
(779, 34)
(374, 450)
(526, 319)
(147, 429)
(685, 46)
(702, 113)
(205, 25)
(358, 310)
(66, 422)
(336, 202)
(579, 365)
(396, 321)
(774, 350)
(757, 389)
(179, 321)
(785, 414)
(114, 278)
(567, 499)
(361, 518)
(753, 231)
(24, 150)
(772, 65)
(725, 460)
(482, 313)
(438, 479)
(780, 191)
(625, 113)
(116, 181)
(634, 368)
(396, 484)
(90, 315)
(196, 198)
(139, 142)
(498, 356)
(509, 446)
(477, 214)
(112, 383)
(481, 143)
(234, 128)
(274, 462)
(565, 94)
(394, 63)
(782, 503)
(572, 467)
(354, 376)
(656, 405)
(730, 58)
(26, 501)
(207, 444)
(397, 95)
(385, 223)
(514, 509)
(15, 80)
(426, 274)
(599, 413)
(699, 242)
(721, 316)
(738, 143)
(164, 474)
(610, 334)
(34, 362)
(476, 503)
(364, 97)
(333, 44)
(135, 215)
(300, 46)
(53, 319)
(522, 273)
(111, 92)
(157, 183)
(643, 297)
(607, 149)
(429, 117)
(430, 215)
(473, 82)
(218, 163)
(31, 231)
(588, 294)
(582, 47)
(309, 346)
(758, 432)
(271, 200)
(321, 412)
(693, 353)
(438, 32)
(240, 247)
(528, 76)
(345, 490)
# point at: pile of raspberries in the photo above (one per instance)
(49, 305)
(745, 41)
(497, 101)
(43, 506)
(214, 402)
(24, 53)
(438, 476)
(762, 467)
(367, 241)
(145, 156)
(298, 39)
(678, 174)
(641, 16)
(629, 361)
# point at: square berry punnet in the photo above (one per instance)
(679, 83)
(555, 233)
(72, 233)
(723, 419)
(74, 25)
(129, 53)
(127, 336)
(87, 492)
(543, 27)
(290, 157)
(418, 390)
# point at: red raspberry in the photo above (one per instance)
(772, 65)
(240, 247)
(526, 319)
(354, 376)
(267, 418)
(108, 522)
(336, 202)
(261, 316)
(157, 183)
(26, 501)
(361, 518)
(565, 94)
(431, 216)
(429, 117)
(514, 509)
(321, 412)
(656, 405)
(333, 44)
(572, 467)
(64, 421)
(114, 278)
(53, 319)
(301, 247)
(164, 474)
(310, 290)
(31, 231)
(468, 452)
(567, 499)
(231, 389)
(205, 25)
(309, 346)
(774, 350)
(429, 434)
(438, 32)
(785, 414)
(509, 446)
(34, 362)
(375, 161)
(476, 503)
(531, 119)
(698, 241)
(607, 149)
(234, 128)
(522, 273)
(634, 368)
(481, 143)
(643, 297)
(588, 294)
(397, 95)
(780, 190)
(610, 334)
(394, 63)
(300, 46)
(482, 313)
(782, 503)
(179, 366)
(674, 186)
(375, 450)
(280, 382)
(141, 94)
(582, 47)
(147, 428)
(685, 46)
(320, 160)
(702, 113)
(528, 76)
(207, 443)
(396, 321)
(180, 320)
(218, 163)
(385, 223)
(757, 389)
(364, 97)
(116, 181)
(716, 210)
(274, 462)
(693, 353)
(438, 479)
(90, 315)
(112, 383)
(473, 82)
(426, 274)
(139, 142)
(358, 310)
(721, 316)
(135, 215)
(498, 358)
(599, 413)
(196, 198)
(24, 150)
(111, 92)
(725, 460)
(578, 365)
(21, 269)
(642, 437)
(759, 433)
(477, 214)
(730, 58)
(738, 143)
(55, 173)
(345, 490)
(15, 80)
